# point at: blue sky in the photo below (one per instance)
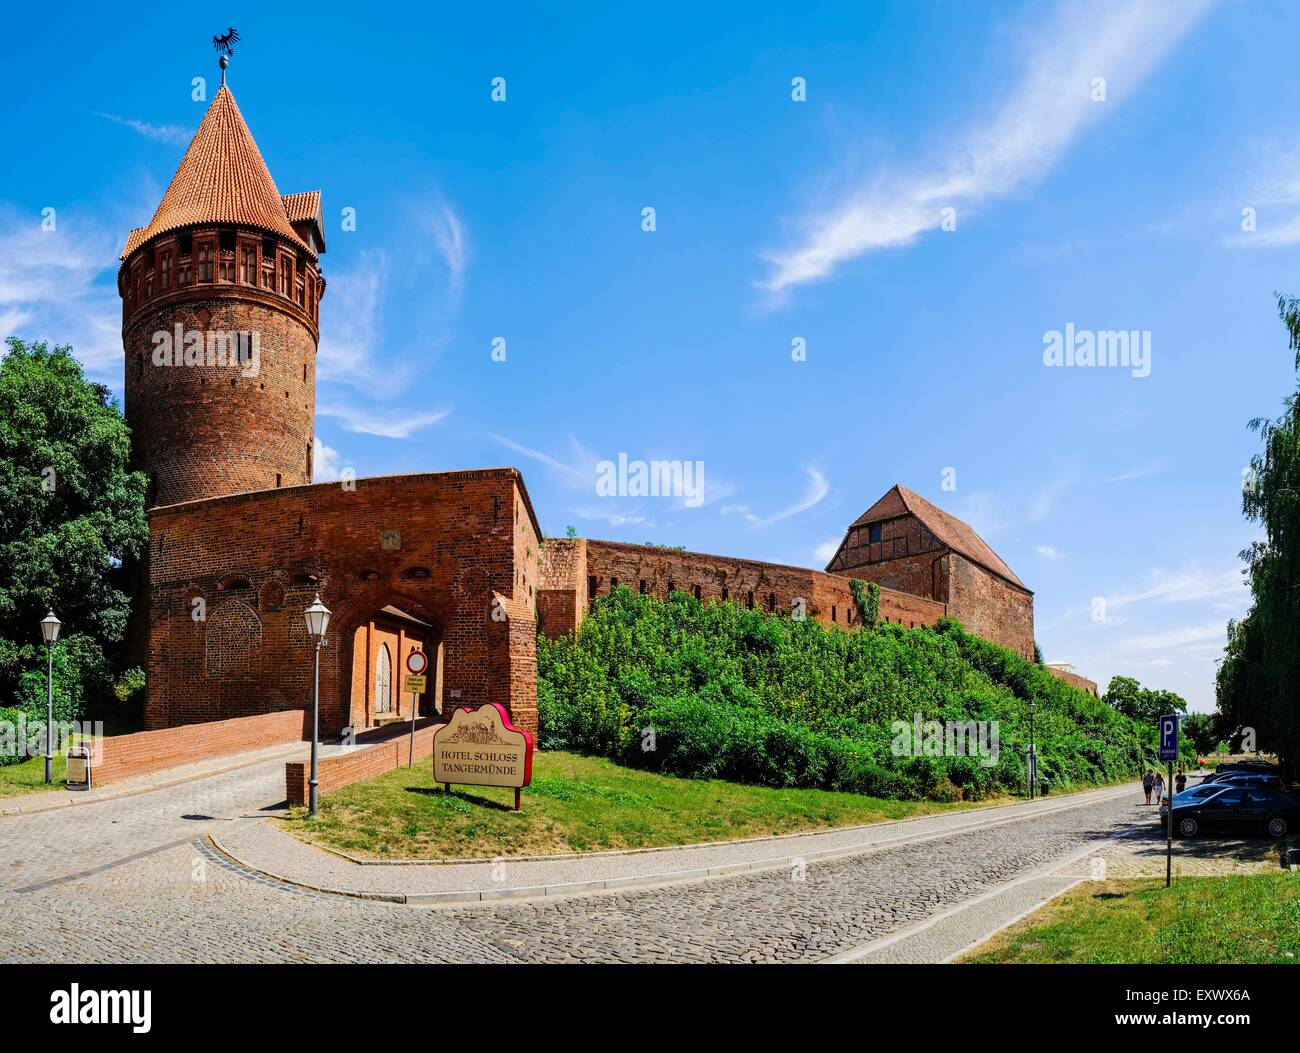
(775, 220)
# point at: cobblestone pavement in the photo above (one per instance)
(770, 916)
(128, 880)
(1142, 854)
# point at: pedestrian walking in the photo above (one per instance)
(1180, 782)
(1160, 788)
(1148, 780)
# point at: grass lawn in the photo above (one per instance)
(29, 776)
(1212, 920)
(575, 804)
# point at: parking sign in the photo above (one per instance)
(1169, 737)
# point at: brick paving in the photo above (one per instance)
(129, 880)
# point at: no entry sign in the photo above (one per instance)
(416, 663)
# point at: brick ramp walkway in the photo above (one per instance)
(264, 849)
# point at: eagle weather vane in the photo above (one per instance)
(225, 46)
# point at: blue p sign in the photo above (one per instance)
(1169, 737)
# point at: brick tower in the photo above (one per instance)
(220, 315)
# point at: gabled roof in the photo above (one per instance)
(958, 536)
(302, 208)
(221, 179)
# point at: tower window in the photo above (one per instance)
(248, 264)
(205, 261)
(186, 244)
(874, 533)
(164, 271)
(226, 239)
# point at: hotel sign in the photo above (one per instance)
(480, 747)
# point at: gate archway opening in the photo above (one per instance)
(380, 645)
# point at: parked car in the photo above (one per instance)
(1240, 778)
(1238, 808)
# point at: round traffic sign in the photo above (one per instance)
(417, 662)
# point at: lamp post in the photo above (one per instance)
(50, 631)
(318, 619)
(1033, 755)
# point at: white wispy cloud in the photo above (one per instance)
(327, 465)
(1275, 197)
(572, 471)
(825, 552)
(1019, 144)
(351, 330)
(57, 285)
(1048, 551)
(176, 134)
(815, 493)
(1136, 473)
(448, 233)
(389, 423)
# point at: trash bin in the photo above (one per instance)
(1044, 785)
(78, 768)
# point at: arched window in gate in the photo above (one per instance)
(383, 680)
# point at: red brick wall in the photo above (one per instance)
(125, 755)
(455, 546)
(1075, 680)
(990, 607)
(364, 762)
(827, 597)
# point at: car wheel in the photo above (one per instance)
(1188, 827)
(1277, 827)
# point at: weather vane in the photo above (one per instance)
(225, 46)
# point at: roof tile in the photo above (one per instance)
(221, 179)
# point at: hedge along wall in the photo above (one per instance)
(122, 756)
(362, 762)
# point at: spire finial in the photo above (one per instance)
(225, 46)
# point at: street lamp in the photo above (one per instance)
(1033, 758)
(318, 619)
(50, 631)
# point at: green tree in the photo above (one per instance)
(1200, 730)
(1125, 695)
(69, 514)
(1256, 684)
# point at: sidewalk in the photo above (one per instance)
(265, 849)
(45, 800)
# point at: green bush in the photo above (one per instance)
(714, 690)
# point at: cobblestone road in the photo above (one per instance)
(128, 881)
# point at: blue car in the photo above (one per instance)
(1235, 809)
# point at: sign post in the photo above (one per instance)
(416, 683)
(481, 747)
(1168, 752)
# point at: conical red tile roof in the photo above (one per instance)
(221, 179)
